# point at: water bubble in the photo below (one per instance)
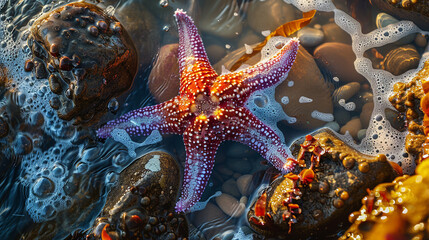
(166, 28)
(58, 170)
(261, 100)
(43, 187)
(163, 3)
(113, 105)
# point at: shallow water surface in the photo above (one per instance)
(55, 174)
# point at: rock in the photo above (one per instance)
(338, 186)
(417, 12)
(406, 200)
(215, 52)
(310, 37)
(230, 206)
(239, 165)
(215, 20)
(384, 19)
(406, 99)
(353, 126)
(345, 92)
(361, 134)
(142, 27)
(243, 184)
(334, 126)
(365, 115)
(90, 58)
(333, 33)
(341, 116)
(143, 201)
(338, 59)
(164, 79)
(249, 37)
(420, 40)
(4, 128)
(401, 59)
(305, 73)
(208, 218)
(268, 15)
(230, 187)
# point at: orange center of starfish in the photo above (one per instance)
(205, 106)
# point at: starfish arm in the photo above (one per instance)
(247, 129)
(143, 121)
(195, 69)
(201, 143)
(262, 75)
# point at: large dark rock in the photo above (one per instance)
(296, 209)
(141, 206)
(88, 57)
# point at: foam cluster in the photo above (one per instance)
(381, 137)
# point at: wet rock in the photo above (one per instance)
(142, 204)
(345, 92)
(4, 128)
(338, 59)
(365, 115)
(406, 99)
(420, 40)
(209, 218)
(89, 55)
(333, 33)
(142, 28)
(221, 18)
(230, 187)
(269, 14)
(384, 19)
(361, 134)
(305, 73)
(164, 80)
(338, 186)
(415, 11)
(310, 37)
(230, 205)
(244, 184)
(334, 126)
(353, 126)
(401, 59)
(341, 116)
(396, 210)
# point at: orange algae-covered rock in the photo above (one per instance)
(396, 210)
(295, 208)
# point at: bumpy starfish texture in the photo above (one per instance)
(210, 109)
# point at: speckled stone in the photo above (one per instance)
(328, 200)
(142, 203)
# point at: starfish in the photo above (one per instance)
(211, 109)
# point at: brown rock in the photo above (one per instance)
(230, 205)
(93, 68)
(305, 73)
(365, 115)
(338, 59)
(164, 79)
(345, 92)
(215, 20)
(145, 196)
(353, 127)
(333, 33)
(269, 14)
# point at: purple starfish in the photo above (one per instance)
(210, 109)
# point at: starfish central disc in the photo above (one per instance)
(205, 105)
